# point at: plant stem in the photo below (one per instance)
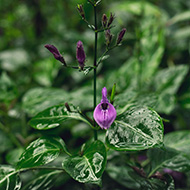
(95, 60)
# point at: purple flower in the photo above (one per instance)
(56, 53)
(120, 36)
(104, 113)
(80, 55)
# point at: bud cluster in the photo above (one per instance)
(106, 23)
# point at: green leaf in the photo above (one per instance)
(5, 142)
(129, 178)
(169, 80)
(9, 179)
(89, 167)
(41, 151)
(136, 8)
(184, 100)
(166, 83)
(180, 17)
(178, 140)
(12, 60)
(45, 71)
(167, 158)
(38, 99)
(53, 116)
(138, 128)
(128, 97)
(44, 180)
(12, 157)
(8, 91)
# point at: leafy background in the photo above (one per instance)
(151, 68)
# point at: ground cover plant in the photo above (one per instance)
(111, 112)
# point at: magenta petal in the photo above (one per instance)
(55, 53)
(104, 117)
(80, 54)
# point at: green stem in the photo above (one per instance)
(95, 60)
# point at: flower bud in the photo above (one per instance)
(108, 37)
(81, 11)
(56, 53)
(104, 20)
(120, 36)
(110, 19)
(80, 54)
(104, 113)
(67, 107)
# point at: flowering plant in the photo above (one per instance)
(127, 145)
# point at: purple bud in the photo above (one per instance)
(108, 36)
(80, 54)
(81, 11)
(110, 19)
(104, 113)
(104, 20)
(56, 53)
(120, 36)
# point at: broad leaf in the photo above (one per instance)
(9, 179)
(41, 151)
(45, 71)
(179, 140)
(12, 156)
(129, 178)
(89, 167)
(8, 91)
(43, 180)
(138, 128)
(169, 80)
(168, 158)
(12, 60)
(38, 99)
(132, 97)
(53, 116)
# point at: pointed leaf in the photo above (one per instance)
(53, 116)
(38, 99)
(138, 128)
(43, 180)
(9, 179)
(178, 140)
(89, 167)
(41, 151)
(168, 158)
(130, 179)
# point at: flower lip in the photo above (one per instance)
(104, 106)
(104, 113)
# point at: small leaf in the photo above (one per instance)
(169, 79)
(53, 116)
(138, 128)
(38, 99)
(167, 158)
(45, 180)
(8, 90)
(9, 179)
(178, 140)
(89, 167)
(45, 71)
(41, 151)
(129, 178)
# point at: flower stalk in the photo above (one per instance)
(95, 60)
